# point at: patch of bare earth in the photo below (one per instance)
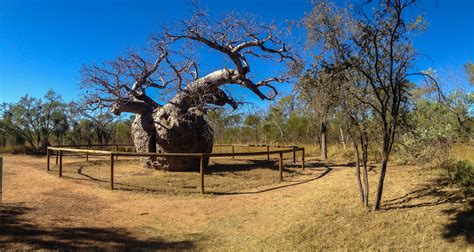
(247, 208)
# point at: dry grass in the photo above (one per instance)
(223, 176)
(321, 213)
(419, 212)
(463, 151)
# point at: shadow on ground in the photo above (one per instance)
(431, 194)
(250, 165)
(314, 167)
(314, 170)
(462, 223)
(17, 233)
(436, 193)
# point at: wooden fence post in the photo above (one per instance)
(60, 163)
(233, 151)
(294, 154)
(268, 152)
(57, 156)
(111, 171)
(302, 159)
(47, 154)
(87, 154)
(201, 171)
(1, 182)
(280, 166)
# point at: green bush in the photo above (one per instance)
(463, 175)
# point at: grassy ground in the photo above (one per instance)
(463, 152)
(223, 176)
(315, 210)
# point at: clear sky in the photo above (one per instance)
(43, 44)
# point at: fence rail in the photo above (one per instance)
(59, 152)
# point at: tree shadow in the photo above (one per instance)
(251, 165)
(220, 170)
(462, 224)
(430, 194)
(270, 164)
(327, 169)
(436, 193)
(16, 232)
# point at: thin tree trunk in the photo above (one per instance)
(343, 141)
(359, 182)
(317, 138)
(378, 196)
(256, 135)
(364, 146)
(324, 147)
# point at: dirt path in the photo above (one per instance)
(56, 212)
(42, 211)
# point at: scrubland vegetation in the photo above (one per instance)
(389, 148)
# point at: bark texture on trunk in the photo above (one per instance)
(365, 152)
(170, 130)
(383, 171)
(359, 181)
(143, 136)
(324, 146)
(179, 126)
(178, 131)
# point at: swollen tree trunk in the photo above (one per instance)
(179, 126)
(143, 135)
(181, 132)
(170, 130)
(324, 147)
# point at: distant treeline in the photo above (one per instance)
(32, 124)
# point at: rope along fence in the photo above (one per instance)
(59, 152)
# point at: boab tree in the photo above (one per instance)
(141, 82)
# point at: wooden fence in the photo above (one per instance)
(60, 150)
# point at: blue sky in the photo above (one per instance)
(43, 44)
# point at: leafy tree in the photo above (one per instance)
(469, 67)
(103, 125)
(458, 101)
(61, 127)
(5, 122)
(374, 52)
(122, 131)
(278, 116)
(253, 122)
(274, 124)
(226, 126)
(320, 91)
(81, 132)
(430, 131)
(35, 120)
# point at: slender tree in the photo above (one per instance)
(376, 47)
